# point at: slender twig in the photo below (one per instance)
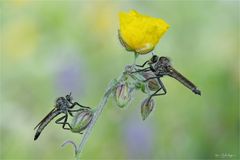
(98, 112)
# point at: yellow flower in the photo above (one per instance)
(140, 33)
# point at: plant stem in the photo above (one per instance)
(135, 58)
(99, 110)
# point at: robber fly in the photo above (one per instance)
(63, 105)
(161, 66)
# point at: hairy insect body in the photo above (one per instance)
(161, 66)
(63, 105)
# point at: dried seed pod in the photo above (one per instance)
(122, 95)
(147, 107)
(81, 120)
(152, 84)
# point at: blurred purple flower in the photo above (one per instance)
(70, 74)
(138, 136)
(68, 78)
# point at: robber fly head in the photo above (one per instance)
(153, 60)
(164, 61)
(159, 65)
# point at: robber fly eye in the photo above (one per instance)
(154, 59)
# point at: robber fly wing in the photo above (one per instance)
(43, 120)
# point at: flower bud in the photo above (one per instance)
(152, 84)
(81, 120)
(147, 107)
(122, 95)
(140, 33)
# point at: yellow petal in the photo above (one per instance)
(139, 32)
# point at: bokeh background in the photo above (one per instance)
(49, 48)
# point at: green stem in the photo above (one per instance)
(98, 112)
(135, 58)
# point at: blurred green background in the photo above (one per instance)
(49, 48)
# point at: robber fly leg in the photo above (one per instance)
(142, 70)
(142, 64)
(162, 87)
(70, 113)
(76, 103)
(64, 122)
(75, 110)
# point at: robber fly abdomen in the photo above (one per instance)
(178, 76)
(44, 123)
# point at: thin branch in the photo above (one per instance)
(98, 112)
